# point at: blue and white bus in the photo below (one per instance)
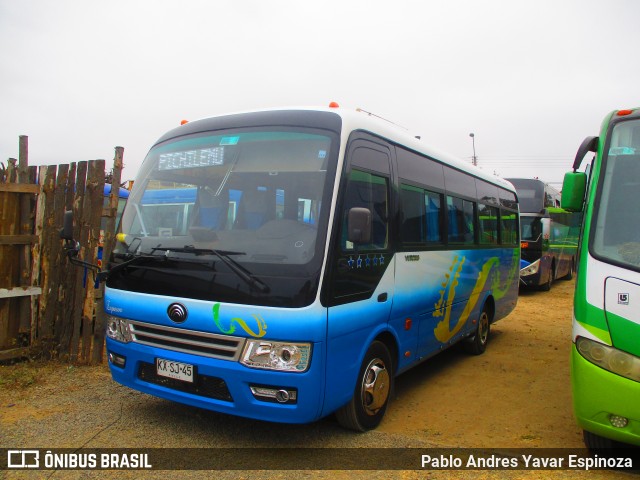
(306, 258)
(548, 234)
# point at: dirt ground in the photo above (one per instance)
(517, 394)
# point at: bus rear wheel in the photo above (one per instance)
(372, 392)
(477, 344)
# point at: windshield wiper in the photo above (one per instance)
(132, 261)
(223, 255)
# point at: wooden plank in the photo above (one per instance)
(19, 292)
(71, 334)
(93, 214)
(107, 248)
(18, 239)
(19, 188)
(51, 266)
(57, 267)
(36, 251)
(14, 353)
(12, 170)
(9, 262)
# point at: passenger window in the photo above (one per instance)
(508, 228)
(488, 224)
(421, 216)
(461, 220)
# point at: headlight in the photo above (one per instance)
(611, 359)
(281, 356)
(118, 329)
(530, 269)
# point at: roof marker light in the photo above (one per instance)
(334, 105)
(184, 122)
(622, 113)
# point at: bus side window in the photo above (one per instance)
(488, 222)
(421, 212)
(508, 230)
(461, 220)
(368, 191)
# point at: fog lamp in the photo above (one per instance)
(117, 360)
(618, 421)
(275, 394)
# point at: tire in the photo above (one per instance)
(596, 442)
(571, 272)
(477, 344)
(372, 391)
(546, 286)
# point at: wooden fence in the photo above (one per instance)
(48, 306)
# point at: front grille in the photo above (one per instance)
(203, 385)
(187, 341)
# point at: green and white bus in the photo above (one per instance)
(605, 357)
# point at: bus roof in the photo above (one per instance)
(122, 193)
(350, 120)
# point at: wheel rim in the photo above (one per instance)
(375, 386)
(483, 327)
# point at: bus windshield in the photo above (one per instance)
(616, 235)
(234, 191)
(531, 228)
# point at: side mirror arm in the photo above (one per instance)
(71, 247)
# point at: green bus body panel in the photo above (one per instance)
(590, 317)
(593, 400)
(624, 333)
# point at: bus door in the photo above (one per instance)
(362, 283)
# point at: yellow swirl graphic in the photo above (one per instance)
(261, 324)
(442, 331)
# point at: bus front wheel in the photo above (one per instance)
(596, 442)
(371, 394)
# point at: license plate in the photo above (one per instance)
(177, 370)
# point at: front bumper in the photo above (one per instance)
(597, 394)
(223, 385)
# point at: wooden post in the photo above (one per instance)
(26, 228)
(107, 248)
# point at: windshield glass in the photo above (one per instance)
(531, 228)
(257, 195)
(617, 236)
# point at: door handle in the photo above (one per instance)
(382, 297)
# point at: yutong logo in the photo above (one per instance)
(177, 312)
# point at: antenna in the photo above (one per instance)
(381, 118)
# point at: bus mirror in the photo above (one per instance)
(573, 189)
(359, 225)
(66, 232)
(589, 144)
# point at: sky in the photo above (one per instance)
(531, 79)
